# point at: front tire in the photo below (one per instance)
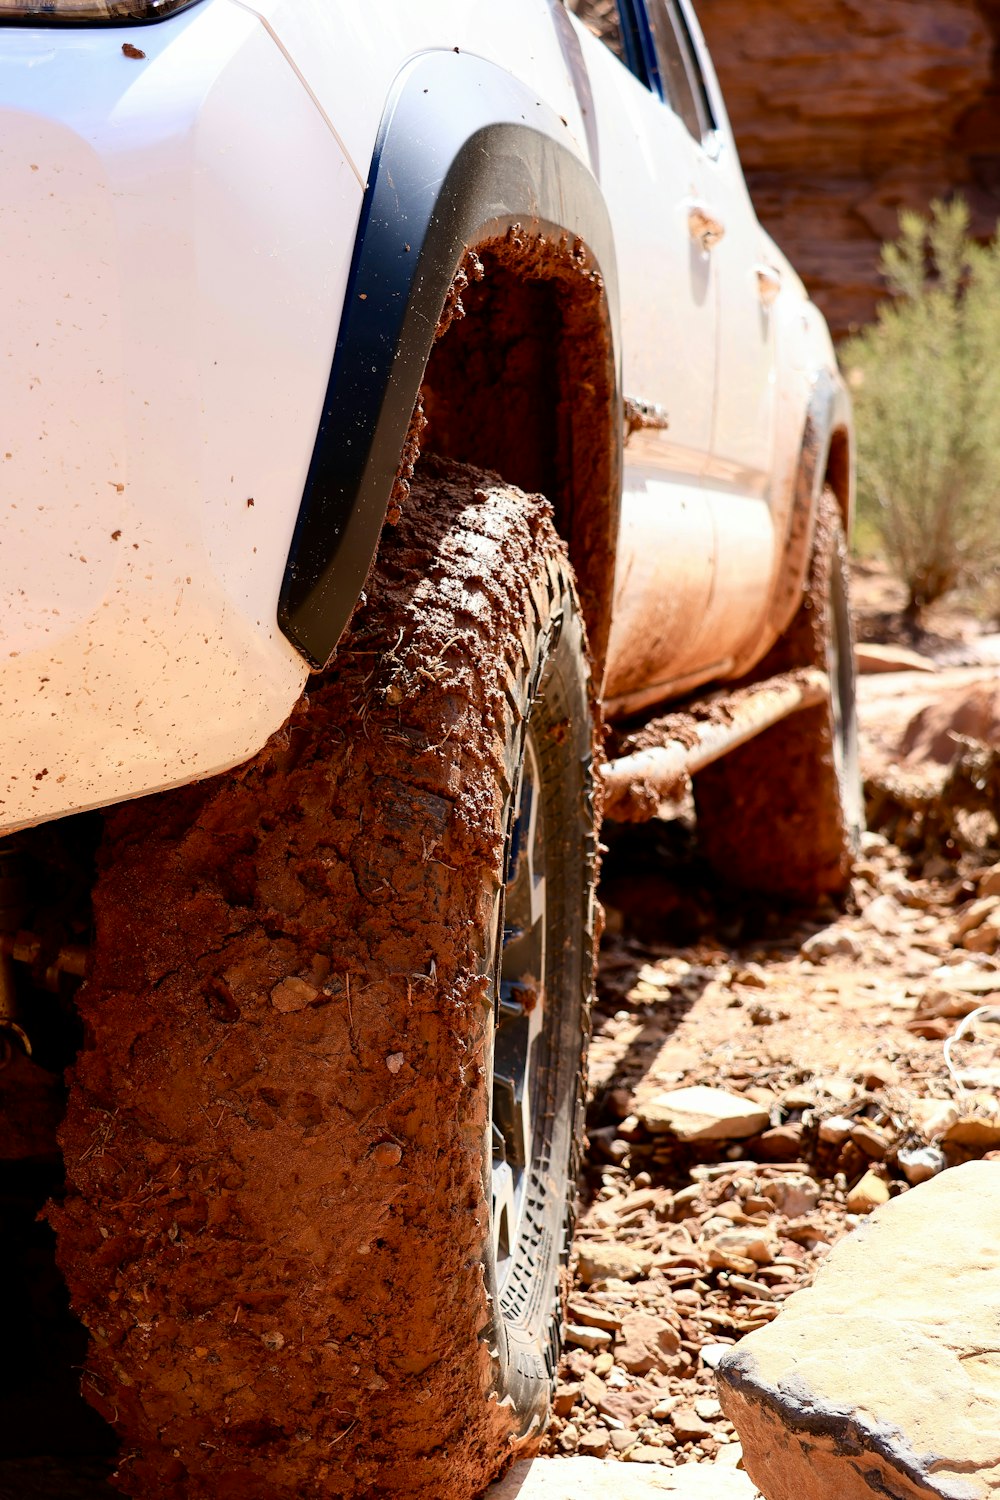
(283, 1226)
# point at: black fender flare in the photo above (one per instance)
(464, 152)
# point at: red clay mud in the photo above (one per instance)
(274, 1139)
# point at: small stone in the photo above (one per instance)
(740, 1249)
(594, 1444)
(395, 1061)
(883, 914)
(293, 994)
(702, 1114)
(708, 1408)
(978, 1125)
(730, 1455)
(793, 1194)
(712, 1354)
(565, 1399)
(273, 1341)
(920, 1163)
(933, 1117)
(974, 914)
(621, 1439)
(782, 1143)
(688, 1427)
(872, 1141)
(835, 1130)
(831, 943)
(989, 881)
(665, 1408)
(594, 1317)
(879, 1075)
(387, 1154)
(871, 1192)
(587, 1338)
(598, 1262)
(593, 1388)
(644, 1453)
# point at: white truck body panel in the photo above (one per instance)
(178, 233)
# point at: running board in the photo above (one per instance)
(666, 751)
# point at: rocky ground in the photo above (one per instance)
(815, 1047)
(815, 1044)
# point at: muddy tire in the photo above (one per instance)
(279, 1227)
(783, 815)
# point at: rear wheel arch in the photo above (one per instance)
(456, 167)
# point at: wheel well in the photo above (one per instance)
(522, 381)
(839, 475)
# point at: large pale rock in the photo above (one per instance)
(883, 1378)
(870, 658)
(702, 1114)
(589, 1479)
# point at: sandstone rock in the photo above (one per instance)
(740, 1249)
(782, 1143)
(872, 1141)
(969, 711)
(920, 1163)
(688, 1426)
(989, 881)
(583, 1337)
(831, 943)
(933, 1117)
(973, 915)
(702, 1114)
(870, 658)
(884, 1377)
(595, 1443)
(793, 1194)
(605, 1262)
(293, 994)
(647, 1342)
(884, 916)
(835, 1130)
(871, 1192)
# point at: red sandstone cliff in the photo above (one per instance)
(845, 110)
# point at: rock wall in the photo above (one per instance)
(846, 110)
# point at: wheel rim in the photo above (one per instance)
(520, 1016)
(840, 670)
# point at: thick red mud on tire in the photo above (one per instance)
(275, 1137)
(782, 815)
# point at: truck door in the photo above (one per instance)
(649, 173)
(737, 477)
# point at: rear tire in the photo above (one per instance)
(783, 815)
(280, 1228)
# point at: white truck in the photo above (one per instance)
(307, 306)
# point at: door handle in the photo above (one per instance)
(704, 225)
(768, 283)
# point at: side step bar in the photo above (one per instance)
(666, 751)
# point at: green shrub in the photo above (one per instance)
(926, 385)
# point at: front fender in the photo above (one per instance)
(464, 152)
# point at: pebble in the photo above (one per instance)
(920, 1163)
(872, 1141)
(830, 943)
(293, 994)
(688, 1426)
(587, 1338)
(835, 1130)
(595, 1443)
(702, 1114)
(607, 1262)
(793, 1194)
(871, 1192)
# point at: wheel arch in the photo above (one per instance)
(466, 159)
